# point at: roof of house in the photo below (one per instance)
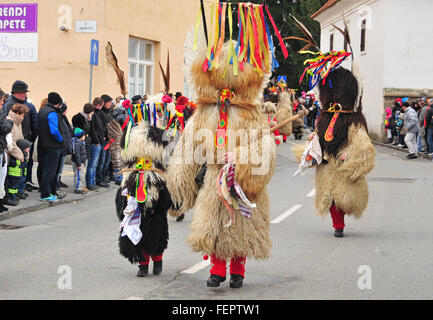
(326, 6)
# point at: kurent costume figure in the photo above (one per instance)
(227, 185)
(340, 148)
(142, 201)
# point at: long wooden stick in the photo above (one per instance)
(291, 119)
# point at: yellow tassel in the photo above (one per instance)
(197, 25)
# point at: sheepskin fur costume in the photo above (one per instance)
(145, 141)
(284, 111)
(246, 237)
(349, 155)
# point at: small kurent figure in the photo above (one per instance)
(142, 201)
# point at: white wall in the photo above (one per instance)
(370, 62)
(408, 44)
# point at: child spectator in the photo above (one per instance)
(79, 158)
(24, 146)
(389, 125)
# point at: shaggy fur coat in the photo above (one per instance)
(245, 237)
(343, 182)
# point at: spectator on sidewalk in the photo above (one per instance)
(411, 129)
(66, 132)
(29, 125)
(97, 138)
(6, 126)
(82, 120)
(389, 125)
(49, 146)
(422, 136)
(429, 127)
(24, 146)
(16, 156)
(79, 158)
(105, 115)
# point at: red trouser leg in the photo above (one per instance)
(144, 260)
(218, 266)
(337, 216)
(237, 266)
(157, 258)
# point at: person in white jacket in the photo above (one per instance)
(411, 129)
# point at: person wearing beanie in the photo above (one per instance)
(96, 135)
(79, 158)
(24, 145)
(49, 146)
(410, 130)
(29, 125)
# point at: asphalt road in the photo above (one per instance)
(70, 251)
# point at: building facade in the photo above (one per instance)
(55, 54)
(391, 46)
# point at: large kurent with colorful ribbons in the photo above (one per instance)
(226, 188)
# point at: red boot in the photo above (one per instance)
(217, 272)
(337, 216)
(237, 272)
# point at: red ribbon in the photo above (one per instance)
(283, 47)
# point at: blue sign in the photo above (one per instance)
(94, 52)
(282, 81)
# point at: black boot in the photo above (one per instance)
(338, 233)
(143, 271)
(236, 280)
(215, 280)
(2, 207)
(11, 202)
(157, 267)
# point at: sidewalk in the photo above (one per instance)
(32, 203)
(392, 146)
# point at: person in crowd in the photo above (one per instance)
(422, 136)
(79, 158)
(82, 120)
(97, 138)
(105, 116)
(429, 128)
(410, 129)
(49, 146)
(389, 125)
(16, 156)
(29, 125)
(24, 146)
(66, 132)
(6, 126)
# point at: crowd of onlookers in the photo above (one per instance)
(409, 124)
(86, 141)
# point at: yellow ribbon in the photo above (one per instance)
(232, 53)
(197, 25)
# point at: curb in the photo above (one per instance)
(391, 146)
(44, 205)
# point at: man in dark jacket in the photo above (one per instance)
(49, 146)
(97, 138)
(105, 115)
(29, 124)
(82, 120)
(429, 126)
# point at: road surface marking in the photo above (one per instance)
(311, 194)
(287, 213)
(197, 267)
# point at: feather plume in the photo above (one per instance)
(345, 33)
(111, 57)
(166, 73)
(309, 38)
